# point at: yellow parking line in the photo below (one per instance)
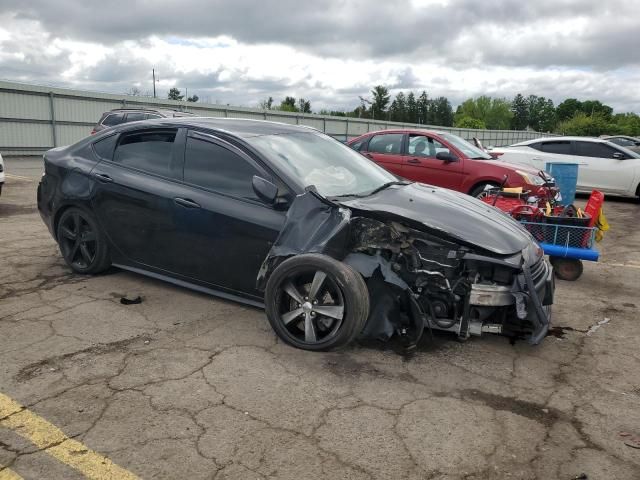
(8, 474)
(53, 441)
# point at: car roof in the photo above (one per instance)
(166, 111)
(607, 137)
(239, 127)
(560, 139)
(406, 130)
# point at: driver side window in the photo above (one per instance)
(213, 167)
(423, 146)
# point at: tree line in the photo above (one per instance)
(532, 112)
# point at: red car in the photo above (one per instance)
(442, 159)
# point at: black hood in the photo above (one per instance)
(447, 213)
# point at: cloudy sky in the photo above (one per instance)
(329, 51)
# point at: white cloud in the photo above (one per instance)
(540, 53)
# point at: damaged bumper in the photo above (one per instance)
(531, 296)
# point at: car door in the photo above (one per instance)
(604, 167)
(560, 151)
(420, 163)
(135, 187)
(386, 150)
(226, 230)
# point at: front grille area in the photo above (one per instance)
(538, 270)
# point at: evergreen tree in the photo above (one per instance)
(412, 108)
(441, 112)
(399, 113)
(520, 110)
(380, 101)
(423, 108)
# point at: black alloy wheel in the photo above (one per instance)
(81, 243)
(315, 302)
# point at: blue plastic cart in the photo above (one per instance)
(566, 245)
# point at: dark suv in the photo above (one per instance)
(125, 115)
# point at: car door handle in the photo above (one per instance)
(102, 177)
(185, 202)
(414, 161)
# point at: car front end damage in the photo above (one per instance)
(420, 277)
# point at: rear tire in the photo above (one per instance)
(478, 190)
(82, 244)
(314, 302)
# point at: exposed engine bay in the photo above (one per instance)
(419, 279)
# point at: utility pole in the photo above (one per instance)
(153, 70)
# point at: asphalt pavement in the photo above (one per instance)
(187, 386)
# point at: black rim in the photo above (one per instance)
(310, 307)
(78, 240)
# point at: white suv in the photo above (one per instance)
(605, 166)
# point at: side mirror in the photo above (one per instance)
(619, 156)
(446, 157)
(265, 190)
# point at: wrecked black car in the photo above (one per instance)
(286, 218)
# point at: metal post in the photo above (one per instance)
(346, 133)
(153, 71)
(54, 134)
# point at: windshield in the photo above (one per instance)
(465, 147)
(316, 159)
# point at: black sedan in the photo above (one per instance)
(289, 219)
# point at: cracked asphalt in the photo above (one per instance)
(186, 386)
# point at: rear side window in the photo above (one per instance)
(113, 119)
(594, 149)
(153, 115)
(560, 147)
(149, 151)
(104, 147)
(390, 143)
(136, 116)
(216, 168)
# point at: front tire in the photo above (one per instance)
(316, 303)
(82, 244)
(478, 191)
